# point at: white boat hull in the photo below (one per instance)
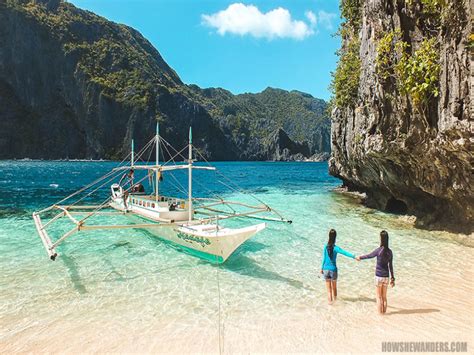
(215, 245)
(208, 241)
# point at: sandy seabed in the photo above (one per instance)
(125, 291)
(442, 310)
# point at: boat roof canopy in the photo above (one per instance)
(163, 167)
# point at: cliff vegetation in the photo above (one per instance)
(402, 113)
(75, 85)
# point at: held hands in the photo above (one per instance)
(357, 258)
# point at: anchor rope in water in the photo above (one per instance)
(221, 334)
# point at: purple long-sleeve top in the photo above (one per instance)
(384, 262)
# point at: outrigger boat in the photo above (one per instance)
(196, 225)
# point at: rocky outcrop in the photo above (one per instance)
(407, 159)
(74, 85)
(282, 148)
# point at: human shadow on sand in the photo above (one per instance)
(412, 311)
(358, 299)
(396, 309)
(71, 267)
(244, 265)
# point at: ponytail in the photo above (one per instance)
(331, 242)
(384, 243)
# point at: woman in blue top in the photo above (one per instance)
(329, 267)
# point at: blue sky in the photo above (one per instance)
(242, 46)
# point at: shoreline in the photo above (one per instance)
(118, 161)
(412, 220)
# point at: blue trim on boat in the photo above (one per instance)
(214, 259)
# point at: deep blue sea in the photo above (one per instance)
(126, 290)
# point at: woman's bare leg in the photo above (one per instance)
(379, 299)
(384, 298)
(334, 289)
(329, 288)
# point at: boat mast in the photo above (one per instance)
(132, 156)
(157, 142)
(190, 176)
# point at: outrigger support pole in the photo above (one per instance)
(48, 244)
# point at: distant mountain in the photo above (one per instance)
(251, 121)
(75, 85)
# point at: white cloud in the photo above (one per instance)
(311, 17)
(326, 19)
(243, 20)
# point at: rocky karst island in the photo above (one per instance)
(403, 118)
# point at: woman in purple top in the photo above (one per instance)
(383, 270)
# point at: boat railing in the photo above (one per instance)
(179, 202)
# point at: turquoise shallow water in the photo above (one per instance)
(126, 289)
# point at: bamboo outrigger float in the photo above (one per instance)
(173, 219)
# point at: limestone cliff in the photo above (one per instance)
(75, 85)
(404, 135)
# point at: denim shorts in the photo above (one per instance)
(330, 275)
(381, 281)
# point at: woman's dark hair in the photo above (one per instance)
(384, 242)
(331, 242)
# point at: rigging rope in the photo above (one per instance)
(106, 202)
(184, 158)
(90, 185)
(239, 189)
(101, 178)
